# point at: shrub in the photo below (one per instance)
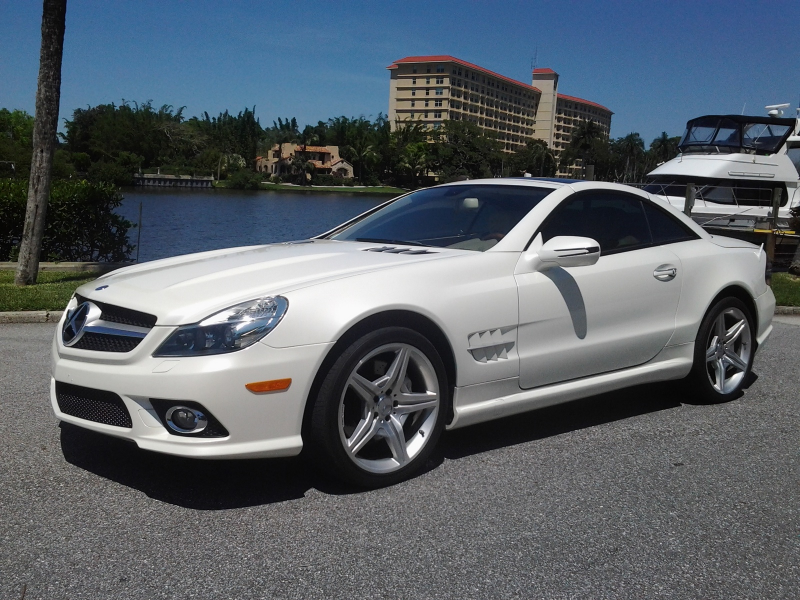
(81, 224)
(244, 180)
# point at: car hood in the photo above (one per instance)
(186, 289)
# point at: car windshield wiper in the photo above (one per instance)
(382, 241)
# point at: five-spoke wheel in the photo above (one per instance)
(381, 407)
(723, 351)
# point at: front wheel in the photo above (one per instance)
(381, 408)
(724, 350)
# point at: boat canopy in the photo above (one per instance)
(736, 133)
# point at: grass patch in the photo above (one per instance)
(786, 288)
(52, 290)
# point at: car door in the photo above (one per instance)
(620, 312)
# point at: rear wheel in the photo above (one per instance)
(724, 350)
(381, 408)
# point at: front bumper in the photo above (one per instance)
(765, 307)
(259, 425)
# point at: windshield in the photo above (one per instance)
(736, 192)
(469, 217)
(734, 133)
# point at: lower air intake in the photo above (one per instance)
(92, 405)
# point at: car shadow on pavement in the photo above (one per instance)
(192, 483)
(558, 419)
(226, 484)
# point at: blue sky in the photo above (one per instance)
(655, 64)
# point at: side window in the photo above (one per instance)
(666, 228)
(616, 221)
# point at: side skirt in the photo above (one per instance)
(493, 400)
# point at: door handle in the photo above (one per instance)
(665, 272)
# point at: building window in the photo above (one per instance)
(437, 115)
(428, 70)
(439, 80)
(427, 81)
(440, 69)
(413, 69)
(413, 92)
(413, 81)
(437, 102)
(413, 103)
(412, 114)
(427, 92)
(426, 115)
(426, 104)
(439, 92)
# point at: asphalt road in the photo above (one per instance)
(639, 494)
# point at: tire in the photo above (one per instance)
(723, 352)
(380, 409)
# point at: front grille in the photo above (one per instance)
(118, 314)
(107, 343)
(92, 405)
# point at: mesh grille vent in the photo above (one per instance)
(92, 405)
(107, 343)
(126, 316)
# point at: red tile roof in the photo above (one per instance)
(447, 58)
(543, 71)
(582, 101)
(301, 148)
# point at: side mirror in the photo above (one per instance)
(562, 251)
(569, 251)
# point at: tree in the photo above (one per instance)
(535, 158)
(463, 149)
(48, 95)
(664, 148)
(584, 145)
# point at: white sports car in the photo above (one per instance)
(439, 309)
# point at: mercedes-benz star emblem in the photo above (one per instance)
(76, 322)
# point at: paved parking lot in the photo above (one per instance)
(637, 494)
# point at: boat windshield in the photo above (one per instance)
(734, 192)
(736, 133)
(468, 217)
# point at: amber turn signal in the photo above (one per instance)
(274, 385)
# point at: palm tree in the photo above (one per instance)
(664, 148)
(48, 96)
(631, 148)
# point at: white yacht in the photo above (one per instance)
(735, 162)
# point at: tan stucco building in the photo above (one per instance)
(326, 160)
(432, 89)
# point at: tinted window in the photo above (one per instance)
(666, 228)
(616, 221)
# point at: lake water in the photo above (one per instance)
(183, 221)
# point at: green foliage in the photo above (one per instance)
(81, 224)
(16, 143)
(464, 150)
(244, 180)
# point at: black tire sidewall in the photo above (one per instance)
(702, 387)
(326, 445)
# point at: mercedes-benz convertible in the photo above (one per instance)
(439, 309)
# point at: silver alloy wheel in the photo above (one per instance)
(728, 350)
(388, 408)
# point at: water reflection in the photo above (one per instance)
(184, 221)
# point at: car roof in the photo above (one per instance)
(532, 181)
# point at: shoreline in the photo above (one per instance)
(340, 189)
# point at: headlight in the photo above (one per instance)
(232, 329)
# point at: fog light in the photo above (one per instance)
(186, 420)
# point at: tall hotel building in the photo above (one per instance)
(432, 89)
